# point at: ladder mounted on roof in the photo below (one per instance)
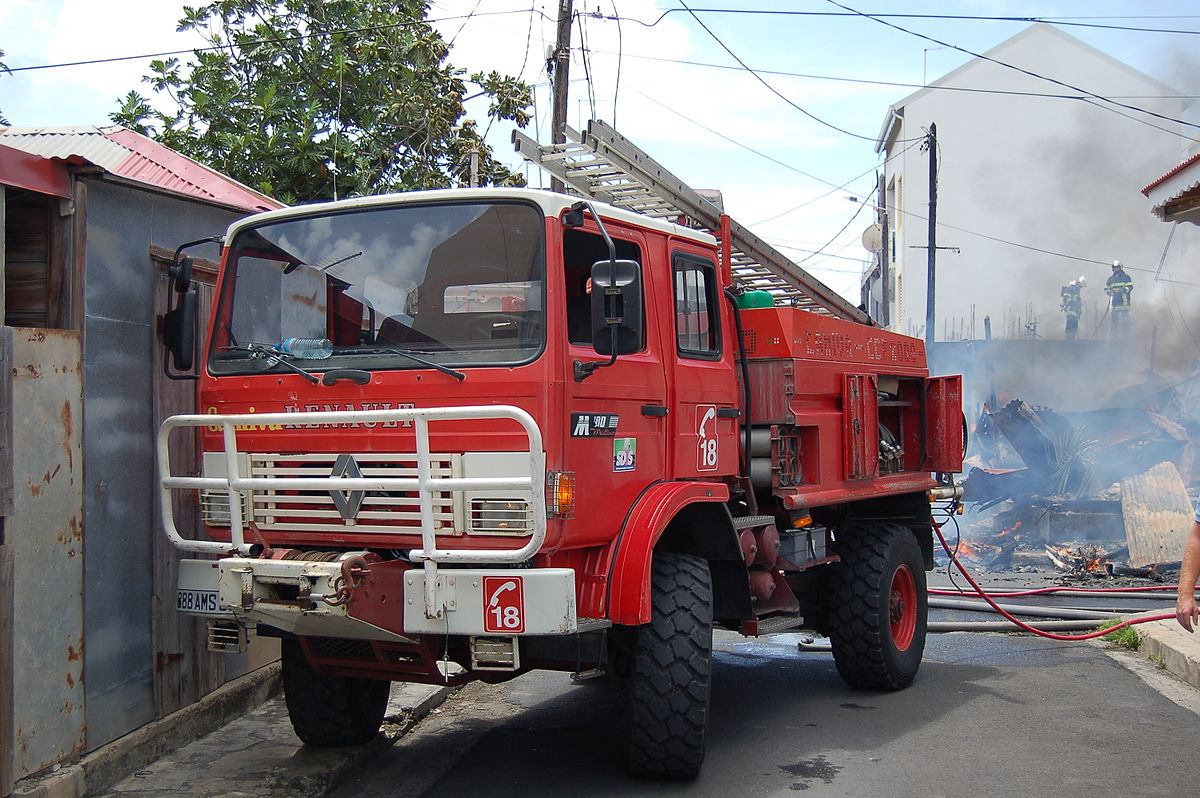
(606, 166)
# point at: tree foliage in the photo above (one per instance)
(310, 99)
(3, 69)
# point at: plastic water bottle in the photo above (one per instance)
(307, 348)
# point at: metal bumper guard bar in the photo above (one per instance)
(425, 484)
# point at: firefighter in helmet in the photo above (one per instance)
(1072, 305)
(1118, 287)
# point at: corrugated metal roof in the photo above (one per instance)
(88, 143)
(131, 155)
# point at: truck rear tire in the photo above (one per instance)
(879, 607)
(671, 671)
(330, 710)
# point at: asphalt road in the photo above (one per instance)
(989, 715)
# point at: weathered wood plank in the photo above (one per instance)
(6, 669)
(6, 427)
(185, 671)
(1157, 514)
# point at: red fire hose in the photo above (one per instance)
(1027, 627)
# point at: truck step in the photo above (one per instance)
(772, 624)
(750, 521)
(495, 654)
(227, 637)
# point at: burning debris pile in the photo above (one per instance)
(1096, 494)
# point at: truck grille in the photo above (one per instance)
(396, 512)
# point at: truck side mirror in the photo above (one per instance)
(181, 275)
(179, 331)
(616, 307)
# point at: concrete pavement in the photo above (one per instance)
(238, 743)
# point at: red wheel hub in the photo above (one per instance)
(902, 607)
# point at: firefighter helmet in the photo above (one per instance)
(1116, 264)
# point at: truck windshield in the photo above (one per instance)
(455, 284)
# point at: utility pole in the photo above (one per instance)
(560, 62)
(931, 289)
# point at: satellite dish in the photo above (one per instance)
(872, 238)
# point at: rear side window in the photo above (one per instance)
(697, 331)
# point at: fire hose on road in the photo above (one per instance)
(1053, 612)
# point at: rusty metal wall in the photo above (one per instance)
(120, 364)
(45, 533)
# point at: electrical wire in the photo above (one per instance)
(1016, 68)
(585, 58)
(461, 27)
(861, 205)
(744, 146)
(620, 56)
(1066, 21)
(252, 43)
(771, 88)
(899, 84)
(908, 213)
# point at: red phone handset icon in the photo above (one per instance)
(505, 610)
(707, 454)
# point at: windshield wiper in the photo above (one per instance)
(273, 356)
(458, 375)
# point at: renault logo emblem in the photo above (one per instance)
(348, 502)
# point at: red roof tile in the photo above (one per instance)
(1194, 159)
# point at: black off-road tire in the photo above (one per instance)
(330, 710)
(671, 671)
(878, 607)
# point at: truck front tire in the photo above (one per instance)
(878, 607)
(330, 710)
(671, 671)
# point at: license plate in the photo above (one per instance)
(198, 602)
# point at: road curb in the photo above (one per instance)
(1177, 650)
(112, 762)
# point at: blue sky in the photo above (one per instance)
(664, 80)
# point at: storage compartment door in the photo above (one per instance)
(943, 424)
(860, 426)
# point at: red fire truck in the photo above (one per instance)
(461, 434)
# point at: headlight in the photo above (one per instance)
(214, 503)
(500, 516)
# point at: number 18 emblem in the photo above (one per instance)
(706, 430)
(504, 605)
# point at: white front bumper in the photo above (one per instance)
(502, 602)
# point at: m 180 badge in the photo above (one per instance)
(594, 425)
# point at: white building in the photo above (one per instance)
(1036, 186)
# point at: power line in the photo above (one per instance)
(276, 40)
(771, 88)
(855, 197)
(835, 235)
(898, 84)
(892, 209)
(744, 146)
(1065, 21)
(1014, 67)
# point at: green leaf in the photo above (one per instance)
(298, 86)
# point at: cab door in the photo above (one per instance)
(616, 417)
(704, 408)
